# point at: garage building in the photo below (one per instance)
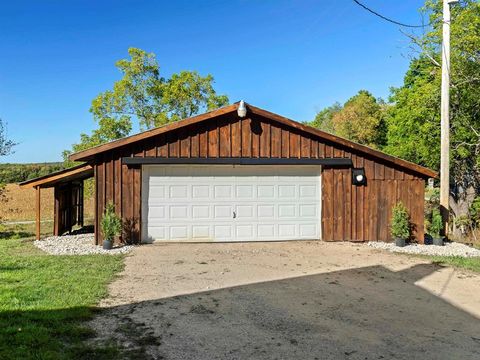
(240, 173)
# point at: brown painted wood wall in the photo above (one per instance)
(356, 213)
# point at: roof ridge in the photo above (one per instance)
(87, 154)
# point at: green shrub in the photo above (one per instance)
(400, 224)
(111, 223)
(437, 224)
(432, 201)
(474, 212)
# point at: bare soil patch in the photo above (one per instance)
(21, 204)
(289, 300)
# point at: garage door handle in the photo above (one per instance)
(234, 214)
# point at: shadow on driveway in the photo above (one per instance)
(363, 313)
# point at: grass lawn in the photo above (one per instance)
(472, 264)
(45, 301)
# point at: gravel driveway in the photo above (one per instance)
(289, 300)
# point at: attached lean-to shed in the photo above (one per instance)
(68, 196)
(231, 175)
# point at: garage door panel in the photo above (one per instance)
(223, 231)
(157, 232)
(222, 191)
(287, 211)
(179, 232)
(307, 191)
(308, 230)
(178, 191)
(244, 232)
(156, 212)
(244, 191)
(201, 232)
(223, 211)
(230, 203)
(156, 195)
(286, 230)
(266, 231)
(179, 212)
(265, 192)
(200, 191)
(309, 210)
(200, 212)
(286, 191)
(265, 211)
(245, 212)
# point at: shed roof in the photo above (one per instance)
(79, 172)
(89, 154)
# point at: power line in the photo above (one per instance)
(386, 18)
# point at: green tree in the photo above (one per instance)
(361, 120)
(109, 129)
(6, 148)
(6, 145)
(144, 96)
(323, 119)
(414, 121)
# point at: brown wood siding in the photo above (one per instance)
(363, 213)
(356, 213)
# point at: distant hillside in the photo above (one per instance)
(14, 173)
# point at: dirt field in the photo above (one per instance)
(21, 204)
(289, 300)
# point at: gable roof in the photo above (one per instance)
(88, 154)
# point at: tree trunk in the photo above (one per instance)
(460, 202)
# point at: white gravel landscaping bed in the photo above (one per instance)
(81, 244)
(449, 249)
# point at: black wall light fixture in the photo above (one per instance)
(358, 177)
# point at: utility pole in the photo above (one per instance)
(445, 118)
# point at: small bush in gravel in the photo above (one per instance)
(111, 223)
(436, 225)
(400, 226)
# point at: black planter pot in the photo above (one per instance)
(107, 244)
(400, 242)
(437, 241)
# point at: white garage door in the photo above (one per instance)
(230, 203)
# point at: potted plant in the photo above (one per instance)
(111, 226)
(400, 225)
(436, 227)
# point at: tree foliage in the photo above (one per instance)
(360, 119)
(6, 145)
(6, 148)
(323, 119)
(414, 120)
(144, 96)
(14, 173)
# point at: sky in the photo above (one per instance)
(289, 57)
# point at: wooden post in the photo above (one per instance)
(80, 203)
(56, 211)
(38, 215)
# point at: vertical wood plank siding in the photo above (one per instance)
(355, 213)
